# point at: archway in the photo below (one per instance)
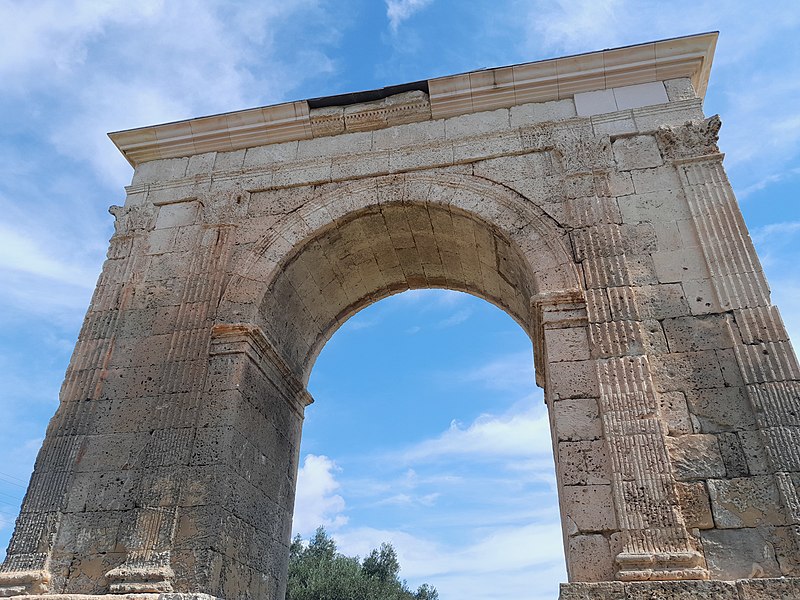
(610, 234)
(428, 431)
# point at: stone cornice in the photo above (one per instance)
(454, 95)
(248, 339)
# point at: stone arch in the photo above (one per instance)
(385, 227)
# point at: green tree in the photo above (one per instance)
(318, 572)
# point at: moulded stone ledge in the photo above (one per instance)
(784, 588)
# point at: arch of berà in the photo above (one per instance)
(585, 196)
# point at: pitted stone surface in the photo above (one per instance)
(593, 209)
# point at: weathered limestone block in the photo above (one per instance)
(745, 502)
(613, 590)
(655, 179)
(754, 452)
(589, 508)
(740, 553)
(680, 89)
(648, 302)
(567, 344)
(696, 456)
(675, 413)
(576, 419)
(695, 505)
(637, 152)
(681, 371)
(592, 558)
(654, 207)
(689, 334)
(733, 456)
(576, 379)
(542, 112)
(720, 409)
(679, 590)
(583, 463)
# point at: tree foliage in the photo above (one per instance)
(318, 572)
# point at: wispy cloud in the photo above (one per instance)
(24, 254)
(455, 319)
(511, 372)
(151, 62)
(398, 11)
(520, 434)
(571, 24)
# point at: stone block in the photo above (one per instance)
(701, 296)
(684, 371)
(681, 590)
(636, 152)
(570, 344)
(263, 157)
(680, 89)
(177, 214)
(739, 553)
(673, 266)
(721, 409)
(674, 413)
(408, 135)
(695, 456)
(160, 170)
(653, 207)
(608, 590)
(612, 124)
(648, 302)
(745, 502)
(229, 161)
(655, 179)
(729, 367)
(732, 455)
(642, 94)
(542, 112)
(695, 505)
(473, 124)
(329, 146)
(588, 508)
(573, 379)
(688, 334)
(595, 103)
(583, 463)
(201, 164)
(754, 452)
(769, 589)
(576, 419)
(590, 558)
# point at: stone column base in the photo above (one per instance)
(744, 589)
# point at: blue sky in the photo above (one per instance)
(427, 430)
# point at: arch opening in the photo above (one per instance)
(460, 459)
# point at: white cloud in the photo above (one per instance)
(115, 65)
(22, 253)
(398, 11)
(512, 372)
(572, 24)
(516, 434)
(317, 501)
(456, 318)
